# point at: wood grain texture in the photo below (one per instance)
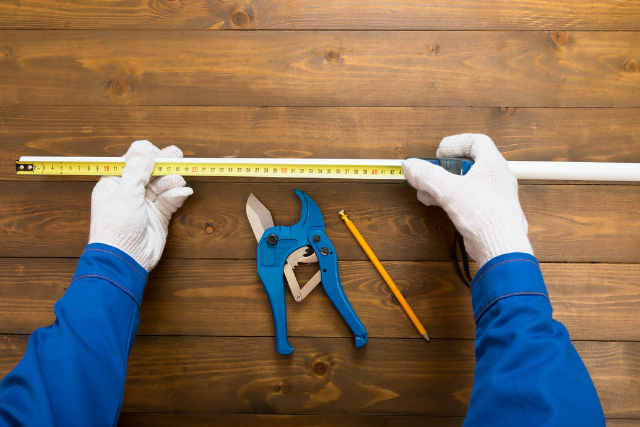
(540, 77)
(563, 224)
(543, 134)
(611, 363)
(212, 298)
(132, 419)
(316, 14)
(566, 222)
(299, 68)
(615, 422)
(330, 376)
(128, 419)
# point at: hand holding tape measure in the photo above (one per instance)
(483, 204)
(132, 212)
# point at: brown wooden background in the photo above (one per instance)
(547, 80)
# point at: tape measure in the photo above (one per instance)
(233, 167)
(381, 169)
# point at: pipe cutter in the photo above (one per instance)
(280, 249)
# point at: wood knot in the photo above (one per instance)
(507, 111)
(332, 56)
(433, 49)
(170, 5)
(320, 369)
(119, 87)
(399, 151)
(209, 229)
(5, 341)
(285, 389)
(241, 17)
(559, 37)
(394, 300)
(631, 66)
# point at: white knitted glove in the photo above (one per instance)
(483, 204)
(130, 212)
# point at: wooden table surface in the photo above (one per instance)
(547, 80)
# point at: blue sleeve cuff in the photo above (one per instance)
(506, 276)
(115, 266)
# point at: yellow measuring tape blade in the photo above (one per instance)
(370, 169)
(253, 168)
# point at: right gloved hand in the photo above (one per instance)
(483, 204)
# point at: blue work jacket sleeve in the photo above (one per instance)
(527, 371)
(73, 371)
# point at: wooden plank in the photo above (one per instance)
(134, 419)
(610, 364)
(200, 420)
(315, 14)
(543, 134)
(194, 297)
(265, 68)
(330, 376)
(612, 422)
(560, 225)
(606, 295)
(566, 222)
(198, 297)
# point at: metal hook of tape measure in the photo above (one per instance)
(24, 167)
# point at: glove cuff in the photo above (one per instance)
(499, 241)
(136, 249)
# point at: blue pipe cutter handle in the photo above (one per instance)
(328, 261)
(276, 244)
(274, 286)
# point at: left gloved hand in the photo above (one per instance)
(132, 212)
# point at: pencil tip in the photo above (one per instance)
(426, 337)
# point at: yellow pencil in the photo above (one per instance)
(376, 263)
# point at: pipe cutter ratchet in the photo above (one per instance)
(280, 249)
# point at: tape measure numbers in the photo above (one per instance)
(322, 168)
(233, 167)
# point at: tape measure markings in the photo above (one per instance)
(372, 169)
(233, 167)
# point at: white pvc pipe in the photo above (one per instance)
(578, 171)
